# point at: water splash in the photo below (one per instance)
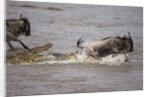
(112, 59)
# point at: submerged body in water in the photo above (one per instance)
(108, 45)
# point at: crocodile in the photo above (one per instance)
(28, 57)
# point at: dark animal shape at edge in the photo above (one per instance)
(15, 28)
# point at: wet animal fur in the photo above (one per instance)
(15, 28)
(109, 45)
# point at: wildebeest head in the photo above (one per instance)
(25, 25)
(125, 43)
(15, 28)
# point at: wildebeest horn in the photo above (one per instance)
(129, 34)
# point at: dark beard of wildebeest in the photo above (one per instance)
(109, 45)
(15, 28)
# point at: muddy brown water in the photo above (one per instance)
(62, 25)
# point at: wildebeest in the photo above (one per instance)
(109, 45)
(15, 28)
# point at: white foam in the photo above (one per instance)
(116, 59)
(82, 57)
(113, 60)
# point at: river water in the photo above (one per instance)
(62, 25)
